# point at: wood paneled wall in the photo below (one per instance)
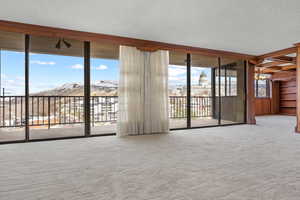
(263, 106)
(288, 97)
(269, 105)
(283, 96)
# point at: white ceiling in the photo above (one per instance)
(245, 26)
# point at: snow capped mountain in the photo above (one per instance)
(105, 83)
(99, 87)
(98, 83)
(68, 86)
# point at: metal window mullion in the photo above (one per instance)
(225, 75)
(188, 90)
(87, 89)
(220, 97)
(27, 48)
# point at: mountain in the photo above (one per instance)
(98, 88)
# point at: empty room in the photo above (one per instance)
(150, 100)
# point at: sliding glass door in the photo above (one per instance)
(206, 91)
(178, 90)
(233, 93)
(56, 88)
(104, 72)
(12, 86)
(202, 91)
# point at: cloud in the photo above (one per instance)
(101, 67)
(77, 66)
(21, 78)
(176, 70)
(174, 78)
(195, 70)
(80, 66)
(38, 62)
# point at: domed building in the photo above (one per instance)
(203, 82)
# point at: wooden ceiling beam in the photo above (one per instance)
(297, 46)
(271, 64)
(269, 71)
(275, 67)
(278, 53)
(286, 59)
(288, 67)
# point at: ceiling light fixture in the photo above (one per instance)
(68, 45)
(58, 44)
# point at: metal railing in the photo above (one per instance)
(59, 110)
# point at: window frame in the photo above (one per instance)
(267, 88)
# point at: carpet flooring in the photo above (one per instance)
(241, 162)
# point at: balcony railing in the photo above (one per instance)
(58, 110)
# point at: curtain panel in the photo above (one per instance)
(143, 92)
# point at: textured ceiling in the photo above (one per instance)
(245, 26)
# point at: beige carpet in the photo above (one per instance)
(233, 163)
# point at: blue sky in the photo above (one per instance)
(50, 71)
(177, 74)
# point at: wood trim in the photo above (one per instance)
(288, 67)
(278, 53)
(271, 64)
(287, 59)
(298, 90)
(97, 37)
(275, 97)
(250, 94)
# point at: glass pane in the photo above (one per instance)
(262, 88)
(56, 77)
(177, 90)
(104, 87)
(12, 86)
(232, 91)
(203, 91)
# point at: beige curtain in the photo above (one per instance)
(143, 92)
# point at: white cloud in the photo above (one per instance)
(177, 74)
(42, 62)
(196, 70)
(21, 78)
(13, 87)
(176, 70)
(101, 67)
(174, 78)
(77, 66)
(80, 66)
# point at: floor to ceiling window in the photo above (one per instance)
(56, 88)
(206, 91)
(104, 72)
(69, 88)
(203, 91)
(178, 90)
(233, 94)
(12, 86)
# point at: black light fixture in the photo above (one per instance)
(58, 44)
(68, 45)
